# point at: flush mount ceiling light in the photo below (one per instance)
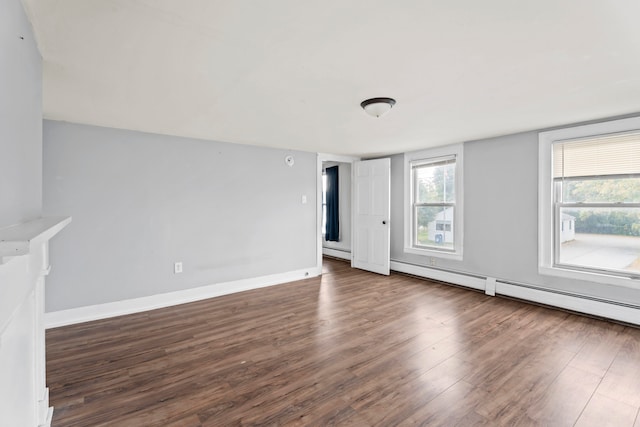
(376, 107)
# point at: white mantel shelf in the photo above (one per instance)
(24, 264)
(20, 239)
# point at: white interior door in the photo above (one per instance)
(371, 215)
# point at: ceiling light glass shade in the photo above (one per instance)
(376, 107)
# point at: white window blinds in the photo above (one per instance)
(605, 155)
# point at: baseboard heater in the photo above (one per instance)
(615, 310)
(337, 253)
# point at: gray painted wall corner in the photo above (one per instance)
(20, 117)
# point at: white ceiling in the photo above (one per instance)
(292, 73)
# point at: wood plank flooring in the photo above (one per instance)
(351, 349)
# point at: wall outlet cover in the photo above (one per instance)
(177, 267)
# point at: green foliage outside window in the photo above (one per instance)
(435, 184)
(619, 221)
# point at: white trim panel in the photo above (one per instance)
(137, 305)
(327, 157)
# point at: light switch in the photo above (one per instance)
(304, 199)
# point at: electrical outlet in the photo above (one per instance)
(432, 262)
(177, 267)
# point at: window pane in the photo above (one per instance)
(615, 190)
(435, 183)
(601, 238)
(434, 226)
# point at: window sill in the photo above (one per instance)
(435, 253)
(590, 277)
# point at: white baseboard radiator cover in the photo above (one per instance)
(614, 310)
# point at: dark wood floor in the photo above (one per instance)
(350, 348)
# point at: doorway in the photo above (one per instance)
(340, 247)
(336, 211)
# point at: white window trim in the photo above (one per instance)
(545, 199)
(449, 150)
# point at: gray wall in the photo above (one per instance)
(140, 202)
(500, 196)
(344, 185)
(20, 117)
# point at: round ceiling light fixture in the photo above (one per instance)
(377, 107)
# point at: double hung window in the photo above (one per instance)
(433, 214)
(592, 205)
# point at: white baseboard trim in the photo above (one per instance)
(45, 412)
(441, 275)
(578, 303)
(136, 305)
(336, 253)
(48, 418)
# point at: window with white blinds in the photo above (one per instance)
(590, 200)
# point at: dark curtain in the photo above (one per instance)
(333, 228)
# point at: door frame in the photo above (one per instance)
(326, 157)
